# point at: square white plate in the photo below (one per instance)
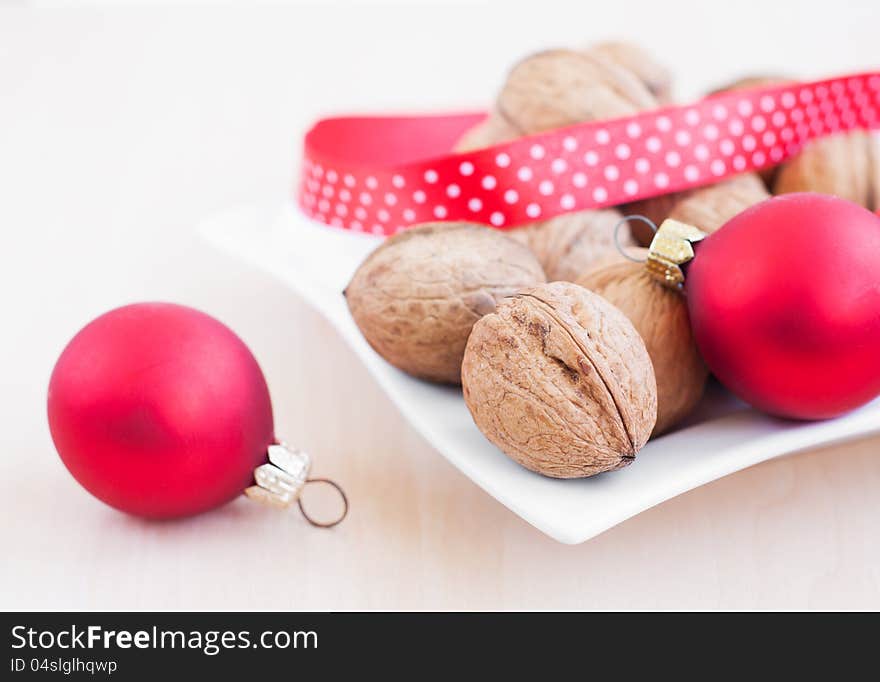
(724, 436)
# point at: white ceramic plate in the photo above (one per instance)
(725, 436)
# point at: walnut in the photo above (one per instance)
(557, 88)
(494, 129)
(660, 316)
(846, 165)
(656, 77)
(710, 207)
(569, 245)
(560, 381)
(416, 297)
(707, 207)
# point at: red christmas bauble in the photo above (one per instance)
(785, 305)
(160, 410)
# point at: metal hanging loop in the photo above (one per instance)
(625, 221)
(325, 524)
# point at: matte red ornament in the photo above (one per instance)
(785, 305)
(160, 410)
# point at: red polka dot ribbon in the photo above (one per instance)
(382, 174)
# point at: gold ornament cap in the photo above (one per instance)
(671, 248)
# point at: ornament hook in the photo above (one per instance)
(325, 524)
(280, 482)
(625, 221)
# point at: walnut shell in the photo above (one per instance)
(494, 129)
(710, 207)
(656, 77)
(844, 165)
(568, 245)
(707, 207)
(560, 381)
(557, 88)
(660, 316)
(749, 82)
(417, 296)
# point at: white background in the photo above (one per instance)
(121, 128)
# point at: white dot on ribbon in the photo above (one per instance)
(567, 202)
(475, 204)
(569, 144)
(398, 181)
(533, 210)
(600, 194)
(497, 218)
(466, 168)
(489, 182)
(524, 174)
(419, 196)
(502, 160)
(453, 191)
(545, 188)
(536, 152)
(511, 196)
(430, 177)
(440, 212)
(579, 180)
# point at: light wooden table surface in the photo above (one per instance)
(120, 130)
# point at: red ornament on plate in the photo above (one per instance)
(162, 411)
(785, 305)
